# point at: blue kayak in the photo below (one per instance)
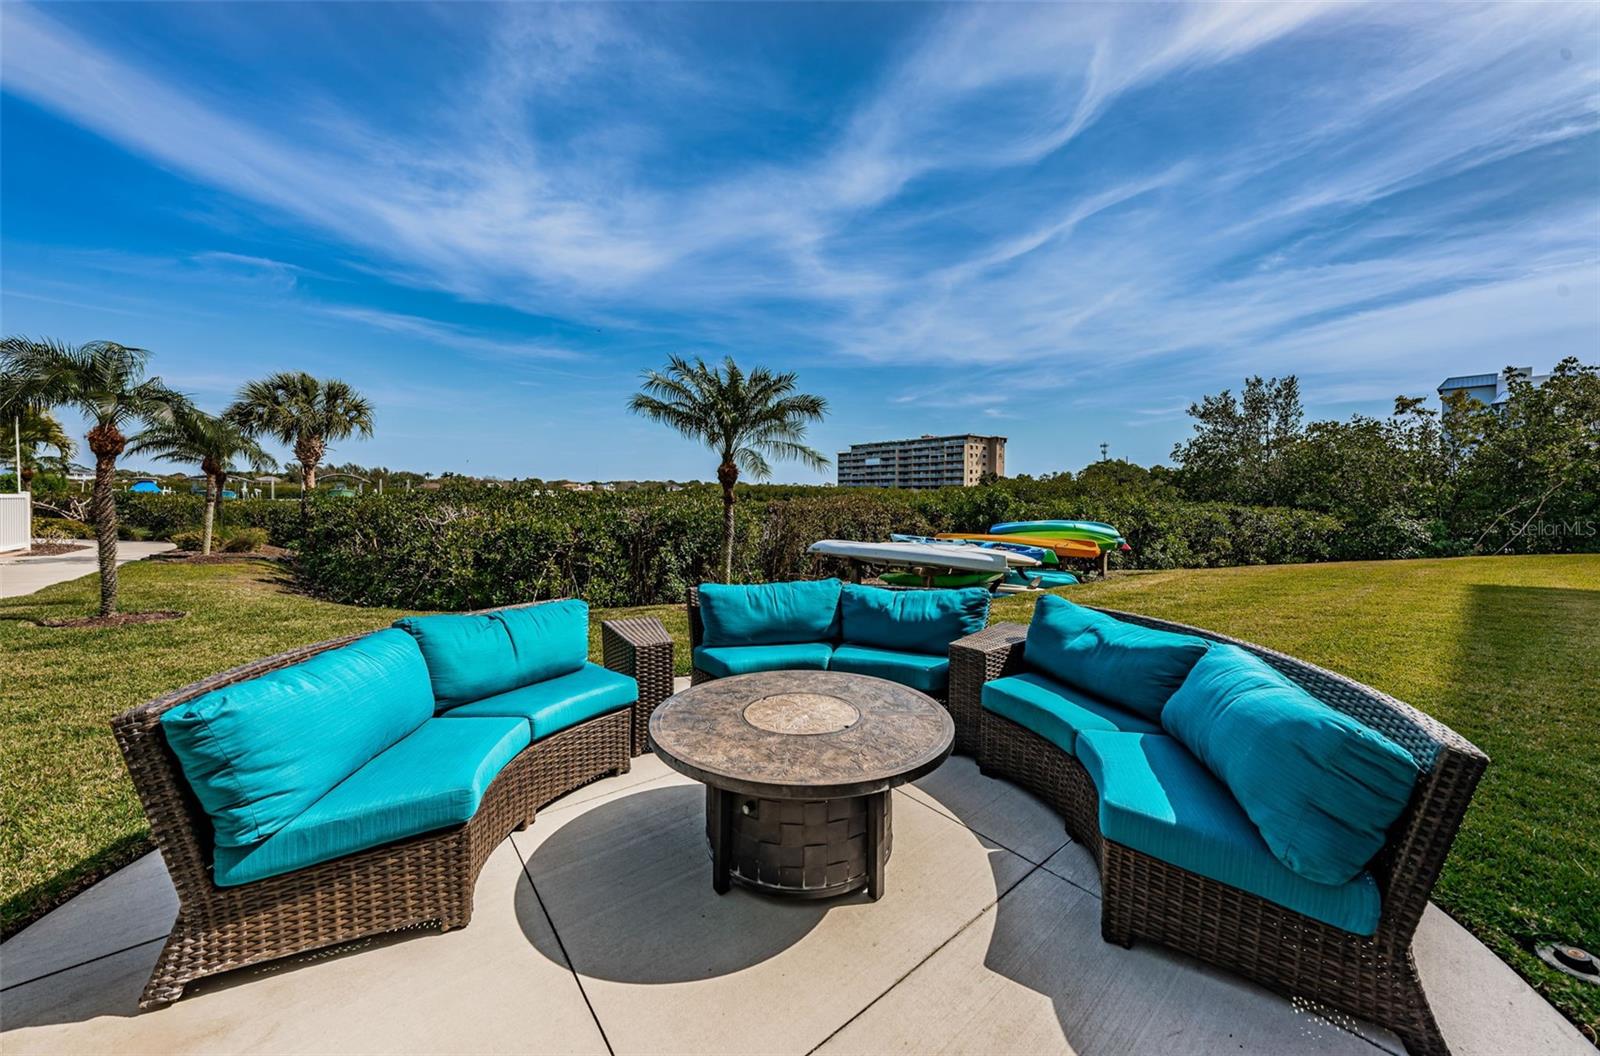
(1043, 578)
(1038, 553)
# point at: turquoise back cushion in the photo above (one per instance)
(911, 621)
(548, 640)
(1321, 787)
(769, 613)
(260, 752)
(1136, 668)
(475, 656)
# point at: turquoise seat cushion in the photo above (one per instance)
(769, 613)
(554, 704)
(911, 621)
(258, 753)
(1159, 800)
(1136, 668)
(920, 671)
(1057, 712)
(1322, 787)
(720, 661)
(432, 779)
(475, 656)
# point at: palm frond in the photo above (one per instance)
(746, 416)
(103, 379)
(751, 462)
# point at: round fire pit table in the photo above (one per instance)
(798, 766)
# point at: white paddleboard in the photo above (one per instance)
(1014, 559)
(915, 555)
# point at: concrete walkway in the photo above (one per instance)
(597, 931)
(20, 576)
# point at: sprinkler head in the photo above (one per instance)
(1573, 960)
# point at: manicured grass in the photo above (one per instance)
(1501, 649)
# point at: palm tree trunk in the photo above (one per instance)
(213, 495)
(103, 508)
(727, 535)
(727, 476)
(308, 483)
(308, 451)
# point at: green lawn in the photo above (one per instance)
(1502, 649)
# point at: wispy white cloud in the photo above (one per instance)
(957, 212)
(450, 336)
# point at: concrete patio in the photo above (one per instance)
(597, 930)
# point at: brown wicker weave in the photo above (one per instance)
(1145, 898)
(697, 676)
(642, 648)
(974, 660)
(427, 879)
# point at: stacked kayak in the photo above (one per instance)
(1063, 549)
(1003, 565)
(1103, 536)
(917, 564)
(1030, 567)
(1040, 554)
(1040, 578)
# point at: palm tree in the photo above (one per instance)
(107, 383)
(303, 412)
(36, 428)
(745, 418)
(192, 435)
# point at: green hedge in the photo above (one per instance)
(164, 516)
(46, 527)
(472, 547)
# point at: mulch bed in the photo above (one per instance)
(117, 619)
(54, 549)
(189, 557)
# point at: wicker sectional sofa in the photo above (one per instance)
(1201, 779)
(357, 785)
(900, 635)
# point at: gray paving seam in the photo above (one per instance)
(931, 954)
(562, 946)
(978, 832)
(80, 964)
(556, 806)
(1067, 879)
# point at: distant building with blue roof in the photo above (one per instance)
(1488, 389)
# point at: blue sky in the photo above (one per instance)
(1057, 223)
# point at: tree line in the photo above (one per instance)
(1467, 478)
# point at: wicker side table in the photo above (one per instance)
(798, 768)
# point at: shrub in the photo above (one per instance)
(164, 515)
(244, 540)
(191, 539)
(470, 547)
(61, 528)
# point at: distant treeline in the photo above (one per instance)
(1253, 485)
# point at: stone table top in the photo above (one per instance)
(802, 734)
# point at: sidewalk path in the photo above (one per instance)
(28, 575)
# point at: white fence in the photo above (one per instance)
(16, 523)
